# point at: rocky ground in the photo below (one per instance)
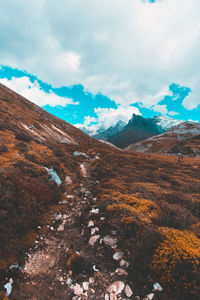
(80, 257)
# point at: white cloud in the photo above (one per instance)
(160, 108)
(173, 113)
(125, 50)
(107, 117)
(34, 93)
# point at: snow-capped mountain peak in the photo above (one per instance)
(166, 122)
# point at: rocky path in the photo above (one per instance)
(79, 258)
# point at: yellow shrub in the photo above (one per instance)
(176, 260)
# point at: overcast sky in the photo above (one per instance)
(125, 55)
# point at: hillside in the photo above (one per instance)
(81, 219)
(183, 138)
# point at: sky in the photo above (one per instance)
(93, 63)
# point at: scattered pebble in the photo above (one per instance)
(86, 285)
(110, 241)
(128, 291)
(93, 239)
(115, 289)
(90, 224)
(118, 255)
(149, 296)
(157, 287)
(124, 263)
(95, 268)
(120, 272)
(78, 290)
(94, 210)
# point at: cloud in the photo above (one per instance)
(126, 51)
(33, 92)
(160, 108)
(173, 113)
(107, 117)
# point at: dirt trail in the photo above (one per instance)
(46, 273)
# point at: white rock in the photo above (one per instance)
(120, 272)
(91, 280)
(69, 281)
(68, 180)
(95, 268)
(8, 287)
(93, 239)
(110, 241)
(90, 224)
(124, 263)
(128, 291)
(94, 230)
(149, 296)
(77, 153)
(14, 266)
(78, 290)
(157, 287)
(94, 210)
(115, 289)
(118, 255)
(86, 285)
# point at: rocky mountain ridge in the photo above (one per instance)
(137, 129)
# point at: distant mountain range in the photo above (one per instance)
(137, 129)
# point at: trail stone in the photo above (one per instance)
(93, 239)
(85, 285)
(110, 241)
(118, 255)
(94, 210)
(120, 271)
(115, 289)
(90, 224)
(94, 230)
(157, 287)
(128, 291)
(91, 280)
(124, 263)
(149, 296)
(106, 297)
(78, 290)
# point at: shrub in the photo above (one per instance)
(176, 262)
(3, 148)
(23, 137)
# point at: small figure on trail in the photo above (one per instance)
(179, 157)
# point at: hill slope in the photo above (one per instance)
(78, 215)
(183, 138)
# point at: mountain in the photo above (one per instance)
(82, 219)
(137, 129)
(166, 122)
(103, 134)
(183, 138)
